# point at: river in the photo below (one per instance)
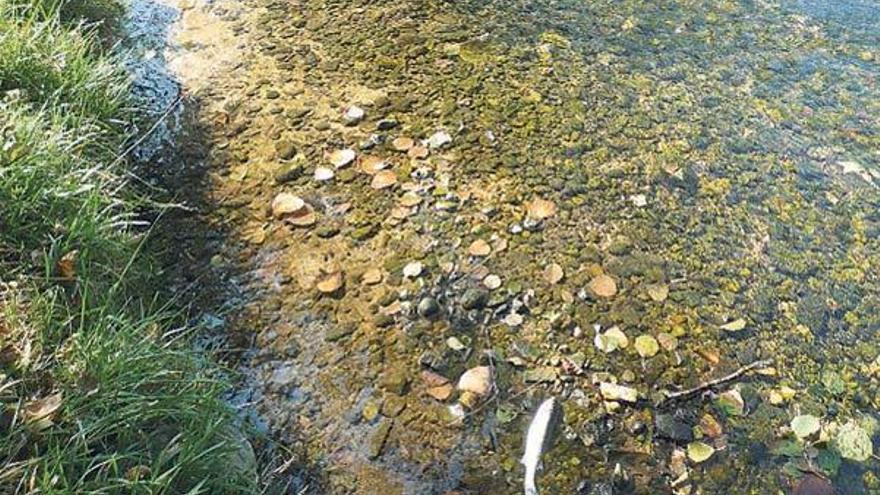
(646, 195)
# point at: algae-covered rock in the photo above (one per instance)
(853, 442)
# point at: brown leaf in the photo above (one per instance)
(66, 266)
(41, 412)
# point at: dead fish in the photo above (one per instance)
(539, 439)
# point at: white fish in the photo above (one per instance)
(540, 437)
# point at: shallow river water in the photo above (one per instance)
(698, 177)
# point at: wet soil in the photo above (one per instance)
(703, 173)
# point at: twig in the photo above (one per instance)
(714, 383)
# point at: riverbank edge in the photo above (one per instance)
(100, 387)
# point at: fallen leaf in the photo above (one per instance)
(40, 413)
(66, 266)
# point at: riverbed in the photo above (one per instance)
(384, 195)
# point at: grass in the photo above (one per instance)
(99, 390)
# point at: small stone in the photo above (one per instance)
(646, 346)
(667, 341)
(417, 152)
(671, 428)
(371, 165)
(477, 380)
(479, 248)
(439, 139)
(330, 283)
(514, 320)
(393, 406)
(492, 282)
(383, 179)
(386, 124)
(710, 426)
(455, 344)
(735, 325)
(428, 307)
(378, 439)
(615, 392)
(286, 204)
(474, 299)
(542, 374)
(412, 270)
(639, 200)
(658, 292)
(342, 158)
(603, 286)
(539, 209)
(372, 276)
(285, 149)
(805, 425)
(440, 392)
(370, 411)
(394, 380)
(432, 379)
(611, 340)
(337, 332)
(353, 115)
(402, 143)
(323, 174)
(553, 273)
(699, 452)
(853, 442)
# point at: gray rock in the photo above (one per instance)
(671, 428)
(428, 307)
(474, 299)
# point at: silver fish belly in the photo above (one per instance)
(539, 439)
